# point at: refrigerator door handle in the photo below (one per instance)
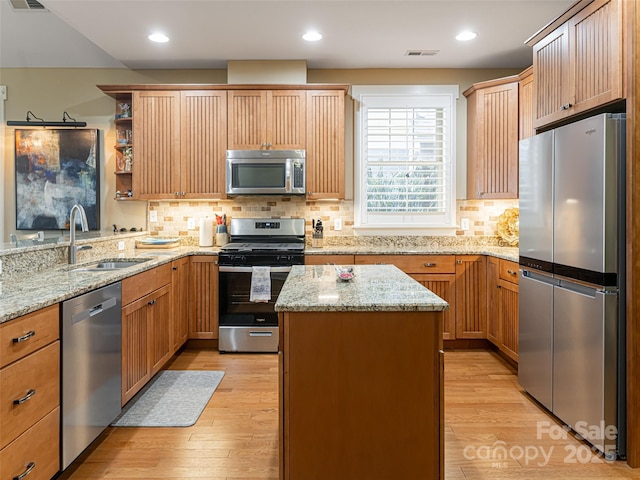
(538, 276)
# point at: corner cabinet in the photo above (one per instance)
(578, 66)
(492, 139)
(203, 291)
(325, 144)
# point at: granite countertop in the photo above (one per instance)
(24, 294)
(506, 253)
(313, 288)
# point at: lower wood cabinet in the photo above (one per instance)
(502, 305)
(443, 285)
(180, 287)
(471, 296)
(203, 292)
(30, 395)
(146, 327)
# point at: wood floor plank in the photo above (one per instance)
(492, 430)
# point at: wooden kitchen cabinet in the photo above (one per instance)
(203, 292)
(492, 139)
(579, 65)
(502, 305)
(328, 259)
(180, 286)
(180, 139)
(325, 144)
(471, 297)
(147, 317)
(444, 286)
(266, 119)
(525, 104)
(30, 394)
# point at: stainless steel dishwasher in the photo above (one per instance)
(91, 367)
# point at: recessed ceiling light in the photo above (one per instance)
(158, 38)
(466, 36)
(312, 36)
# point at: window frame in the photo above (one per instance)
(408, 224)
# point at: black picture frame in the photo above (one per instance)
(55, 169)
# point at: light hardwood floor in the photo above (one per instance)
(486, 413)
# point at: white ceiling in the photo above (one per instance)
(208, 33)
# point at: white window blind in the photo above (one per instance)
(404, 161)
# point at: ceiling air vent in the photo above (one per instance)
(26, 5)
(421, 53)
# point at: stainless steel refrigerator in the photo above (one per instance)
(572, 258)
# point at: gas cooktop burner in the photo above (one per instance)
(262, 246)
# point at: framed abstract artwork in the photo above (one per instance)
(56, 169)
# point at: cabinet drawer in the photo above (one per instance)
(412, 263)
(144, 283)
(40, 446)
(26, 334)
(38, 373)
(328, 259)
(509, 271)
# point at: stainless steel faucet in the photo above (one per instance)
(73, 250)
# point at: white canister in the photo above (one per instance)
(206, 232)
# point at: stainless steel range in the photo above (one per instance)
(256, 261)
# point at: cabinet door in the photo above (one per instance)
(325, 144)
(509, 319)
(136, 370)
(525, 101)
(203, 127)
(595, 39)
(247, 119)
(156, 135)
(493, 301)
(286, 121)
(203, 292)
(551, 77)
(442, 285)
(471, 296)
(161, 316)
(493, 157)
(180, 287)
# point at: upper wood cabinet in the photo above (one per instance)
(525, 104)
(266, 119)
(182, 144)
(325, 144)
(492, 139)
(578, 66)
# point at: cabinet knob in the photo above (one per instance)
(566, 106)
(152, 302)
(309, 193)
(175, 268)
(182, 193)
(511, 272)
(459, 262)
(176, 193)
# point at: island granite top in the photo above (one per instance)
(315, 288)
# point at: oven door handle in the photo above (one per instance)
(250, 269)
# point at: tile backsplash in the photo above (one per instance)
(173, 216)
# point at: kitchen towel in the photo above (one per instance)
(260, 284)
(206, 232)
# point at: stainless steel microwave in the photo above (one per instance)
(265, 172)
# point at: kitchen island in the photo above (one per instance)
(360, 375)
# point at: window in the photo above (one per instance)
(405, 161)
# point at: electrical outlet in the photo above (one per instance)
(464, 224)
(153, 216)
(120, 245)
(191, 224)
(337, 224)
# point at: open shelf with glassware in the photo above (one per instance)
(124, 147)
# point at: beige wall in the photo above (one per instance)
(50, 92)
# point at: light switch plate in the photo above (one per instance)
(121, 245)
(337, 224)
(153, 216)
(191, 224)
(464, 224)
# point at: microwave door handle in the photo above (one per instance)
(287, 180)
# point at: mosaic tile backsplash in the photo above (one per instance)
(173, 216)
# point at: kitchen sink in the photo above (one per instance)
(109, 265)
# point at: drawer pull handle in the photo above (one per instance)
(380, 263)
(429, 264)
(30, 466)
(511, 272)
(29, 394)
(24, 337)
